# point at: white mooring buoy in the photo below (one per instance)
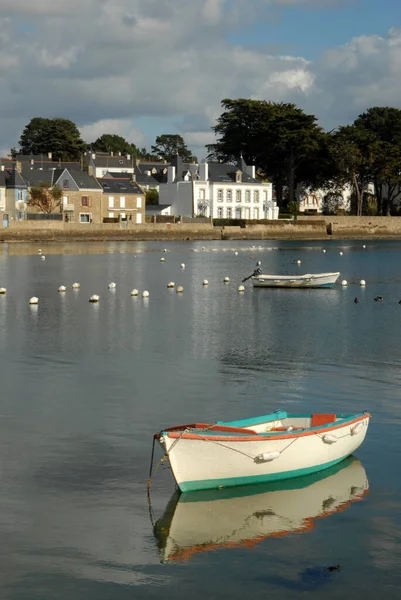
(39, 251)
(362, 283)
(226, 280)
(43, 257)
(180, 289)
(344, 283)
(170, 284)
(364, 246)
(76, 286)
(3, 290)
(145, 294)
(341, 253)
(61, 288)
(134, 292)
(112, 285)
(94, 298)
(236, 253)
(324, 251)
(205, 282)
(182, 265)
(241, 288)
(33, 300)
(162, 259)
(298, 262)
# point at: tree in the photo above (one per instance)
(45, 198)
(277, 138)
(109, 142)
(169, 145)
(151, 197)
(61, 137)
(384, 123)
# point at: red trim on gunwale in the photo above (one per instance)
(257, 437)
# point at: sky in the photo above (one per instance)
(142, 68)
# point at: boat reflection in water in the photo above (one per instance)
(242, 517)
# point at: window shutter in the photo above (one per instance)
(89, 200)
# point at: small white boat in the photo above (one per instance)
(310, 280)
(242, 517)
(268, 448)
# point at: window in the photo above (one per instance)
(122, 201)
(238, 196)
(229, 196)
(138, 218)
(85, 218)
(139, 202)
(238, 212)
(85, 201)
(219, 195)
(219, 213)
(20, 195)
(201, 194)
(229, 212)
(247, 195)
(265, 196)
(238, 177)
(65, 200)
(111, 215)
(66, 184)
(256, 213)
(111, 201)
(256, 196)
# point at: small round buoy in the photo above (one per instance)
(43, 257)
(145, 294)
(39, 251)
(241, 288)
(3, 290)
(33, 300)
(61, 288)
(205, 282)
(236, 253)
(341, 253)
(162, 259)
(170, 284)
(324, 251)
(182, 265)
(94, 298)
(165, 250)
(344, 282)
(203, 247)
(112, 285)
(76, 286)
(259, 263)
(134, 292)
(180, 289)
(298, 262)
(364, 246)
(226, 279)
(362, 282)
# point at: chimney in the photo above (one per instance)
(90, 170)
(203, 171)
(18, 166)
(170, 174)
(50, 155)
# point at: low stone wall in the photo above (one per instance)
(344, 226)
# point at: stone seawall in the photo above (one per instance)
(318, 228)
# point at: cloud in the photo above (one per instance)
(140, 68)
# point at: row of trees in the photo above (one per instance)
(62, 138)
(289, 148)
(286, 145)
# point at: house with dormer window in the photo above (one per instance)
(217, 190)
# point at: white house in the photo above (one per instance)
(217, 190)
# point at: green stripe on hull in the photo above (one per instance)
(207, 484)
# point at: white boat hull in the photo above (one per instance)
(204, 461)
(206, 521)
(317, 280)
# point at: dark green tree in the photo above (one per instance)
(151, 197)
(279, 139)
(59, 136)
(169, 145)
(384, 123)
(109, 142)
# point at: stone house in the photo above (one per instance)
(82, 196)
(123, 199)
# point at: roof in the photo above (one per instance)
(119, 186)
(85, 181)
(114, 161)
(225, 173)
(34, 177)
(117, 175)
(156, 207)
(3, 178)
(14, 179)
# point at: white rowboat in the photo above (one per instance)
(242, 517)
(311, 280)
(268, 448)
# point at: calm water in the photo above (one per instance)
(84, 387)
